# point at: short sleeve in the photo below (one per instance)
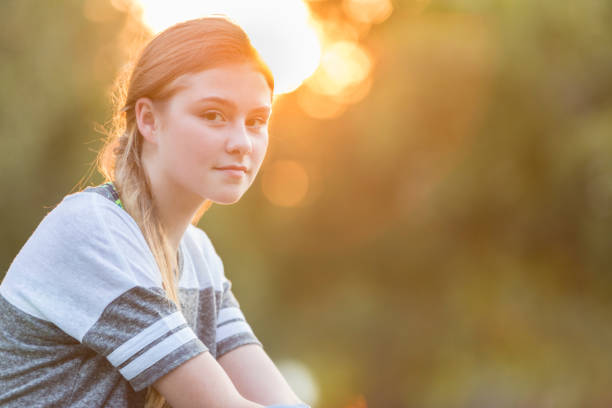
(231, 327)
(233, 330)
(88, 270)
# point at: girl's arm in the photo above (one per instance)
(201, 382)
(256, 377)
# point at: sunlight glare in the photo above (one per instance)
(343, 64)
(319, 106)
(281, 30)
(368, 11)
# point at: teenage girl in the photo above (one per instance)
(117, 299)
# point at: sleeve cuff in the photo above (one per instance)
(168, 363)
(236, 341)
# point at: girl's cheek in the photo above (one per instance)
(193, 137)
(262, 147)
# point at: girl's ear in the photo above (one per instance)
(146, 119)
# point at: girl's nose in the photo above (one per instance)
(239, 140)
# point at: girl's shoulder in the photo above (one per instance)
(199, 238)
(85, 242)
(92, 211)
(203, 255)
(82, 229)
(86, 205)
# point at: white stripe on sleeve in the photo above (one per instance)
(145, 337)
(229, 313)
(157, 352)
(231, 329)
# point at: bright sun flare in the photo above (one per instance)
(281, 30)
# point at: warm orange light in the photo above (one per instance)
(285, 183)
(319, 106)
(354, 93)
(281, 30)
(359, 402)
(98, 11)
(343, 64)
(322, 53)
(368, 11)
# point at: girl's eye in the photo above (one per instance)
(212, 116)
(256, 122)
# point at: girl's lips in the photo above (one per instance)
(233, 171)
(233, 167)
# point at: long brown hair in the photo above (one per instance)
(184, 48)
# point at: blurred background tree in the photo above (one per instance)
(449, 244)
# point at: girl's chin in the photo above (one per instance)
(226, 199)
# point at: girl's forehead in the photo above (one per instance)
(238, 81)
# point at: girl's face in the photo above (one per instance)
(214, 132)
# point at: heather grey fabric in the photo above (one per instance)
(84, 321)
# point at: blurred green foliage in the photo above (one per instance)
(455, 248)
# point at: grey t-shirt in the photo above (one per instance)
(83, 318)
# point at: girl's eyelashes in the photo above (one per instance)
(217, 117)
(213, 116)
(257, 122)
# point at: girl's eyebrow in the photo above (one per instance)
(232, 105)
